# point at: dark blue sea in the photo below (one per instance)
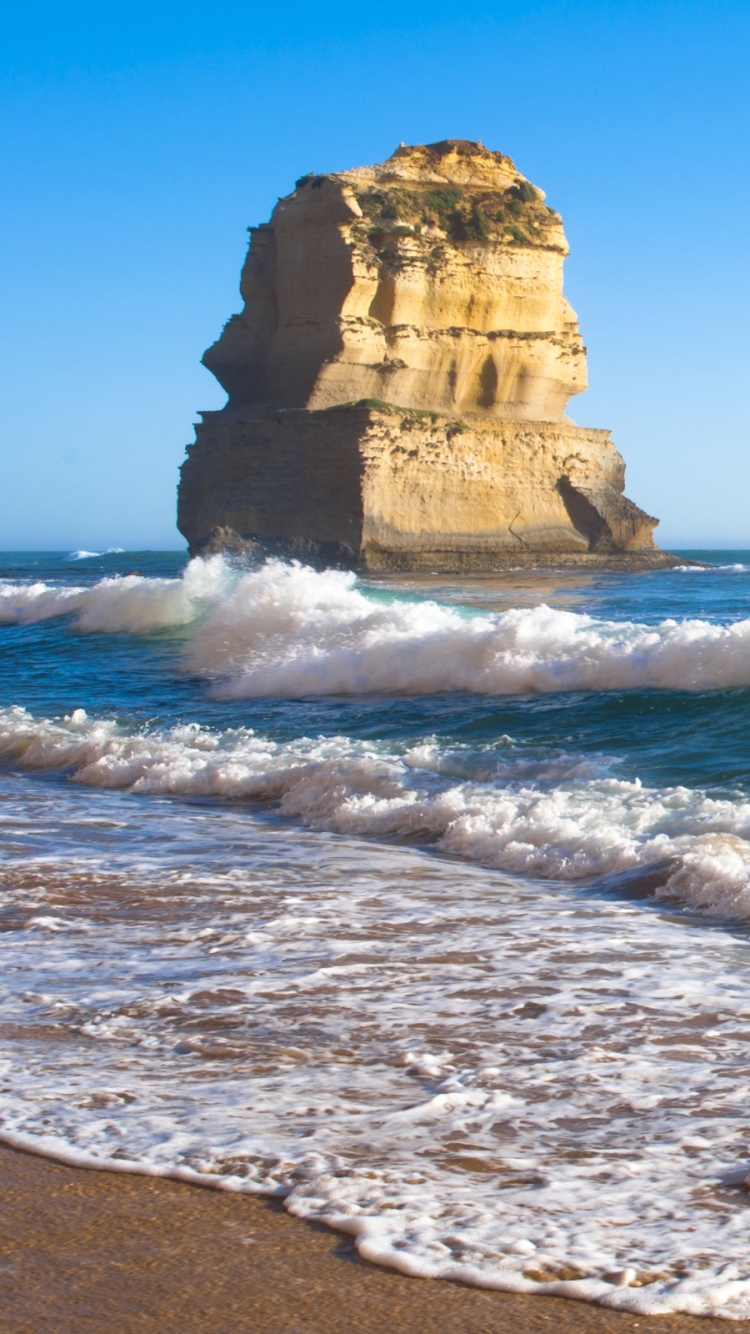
(420, 902)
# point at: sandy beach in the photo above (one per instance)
(376, 949)
(92, 1251)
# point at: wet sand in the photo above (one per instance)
(85, 1252)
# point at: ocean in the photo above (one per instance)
(420, 902)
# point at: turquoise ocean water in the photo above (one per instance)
(421, 902)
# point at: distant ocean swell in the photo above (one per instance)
(288, 631)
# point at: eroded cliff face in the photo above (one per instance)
(398, 380)
(398, 490)
(433, 280)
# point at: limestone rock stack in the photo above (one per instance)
(398, 381)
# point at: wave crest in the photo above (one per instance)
(288, 631)
(128, 603)
(556, 816)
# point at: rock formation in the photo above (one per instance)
(398, 380)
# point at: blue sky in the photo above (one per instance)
(139, 142)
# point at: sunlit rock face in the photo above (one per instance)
(420, 302)
(433, 280)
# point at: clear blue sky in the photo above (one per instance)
(139, 141)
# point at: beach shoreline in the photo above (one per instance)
(87, 1251)
(463, 963)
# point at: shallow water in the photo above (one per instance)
(421, 902)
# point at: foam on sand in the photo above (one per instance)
(501, 1083)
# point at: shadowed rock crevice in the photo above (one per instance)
(608, 520)
(488, 379)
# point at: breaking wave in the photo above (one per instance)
(91, 555)
(550, 815)
(123, 603)
(288, 631)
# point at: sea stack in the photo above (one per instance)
(398, 382)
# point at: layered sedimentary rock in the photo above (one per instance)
(398, 381)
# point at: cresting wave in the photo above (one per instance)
(550, 815)
(124, 603)
(288, 631)
(91, 555)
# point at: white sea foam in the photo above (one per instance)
(507, 1081)
(735, 568)
(553, 815)
(286, 630)
(129, 603)
(501, 1083)
(90, 555)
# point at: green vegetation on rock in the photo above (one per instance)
(516, 214)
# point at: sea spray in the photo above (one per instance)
(125, 603)
(288, 631)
